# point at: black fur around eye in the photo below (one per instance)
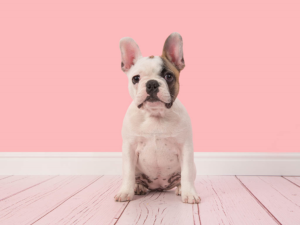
(135, 79)
(169, 77)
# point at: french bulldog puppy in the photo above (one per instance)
(157, 133)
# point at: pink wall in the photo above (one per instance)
(62, 88)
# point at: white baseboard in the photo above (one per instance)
(106, 163)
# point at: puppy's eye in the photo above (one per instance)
(135, 79)
(169, 77)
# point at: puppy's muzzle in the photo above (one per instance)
(152, 88)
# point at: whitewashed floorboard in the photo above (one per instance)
(294, 180)
(159, 208)
(66, 200)
(278, 195)
(226, 201)
(4, 177)
(32, 204)
(94, 205)
(11, 179)
(19, 185)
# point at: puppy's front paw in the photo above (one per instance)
(190, 196)
(124, 195)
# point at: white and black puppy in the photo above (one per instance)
(157, 134)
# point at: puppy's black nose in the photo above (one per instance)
(152, 87)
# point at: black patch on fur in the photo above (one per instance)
(144, 176)
(171, 85)
(143, 183)
(173, 181)
(157, 189)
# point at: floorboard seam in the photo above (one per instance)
(5, 177)
(290, 181)
(122, 213)
(259, 202)
(198, 206)
(27, 188)
(65, 200)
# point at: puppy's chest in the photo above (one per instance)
(157, 148)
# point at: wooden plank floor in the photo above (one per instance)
(43, 200)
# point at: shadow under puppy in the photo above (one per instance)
(157, 133)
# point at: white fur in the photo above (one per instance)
(157, 141)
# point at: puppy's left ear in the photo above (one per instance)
(173, 50)
(130, 53)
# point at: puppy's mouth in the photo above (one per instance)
(151, 98)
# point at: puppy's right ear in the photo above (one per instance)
(130, 53)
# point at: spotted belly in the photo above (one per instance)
(158, 166)
(158, 183)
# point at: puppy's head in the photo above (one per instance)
(153, 80)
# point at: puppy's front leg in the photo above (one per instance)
(126, 191)
(188, 174)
